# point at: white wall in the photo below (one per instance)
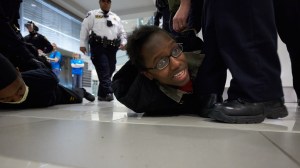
(286, 72)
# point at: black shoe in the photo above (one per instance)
(242, 112)
(275, 109)
(88, 96)
(207, 104)
(298, 102)
(108, 97)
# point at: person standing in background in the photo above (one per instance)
(55, 60)
(77, 65)
(287, 15)
(106, 37)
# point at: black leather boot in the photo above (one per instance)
(109, 97)
(208, 102)
(243, 112)
(88, 96)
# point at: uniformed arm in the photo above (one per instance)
(41, 78)
(47, 47)
(122, 35)
(86, 27)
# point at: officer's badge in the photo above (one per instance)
(88, 14)
(98, 16)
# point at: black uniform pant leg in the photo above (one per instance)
(246, 40)
(287, 14)
(166, 19)
(104, 60)
(69, 96)
(195, 15)
(212, 73)
(112, 60)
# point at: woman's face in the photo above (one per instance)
(161, 46)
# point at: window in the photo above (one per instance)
(56, 25)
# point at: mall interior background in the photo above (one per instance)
(60, 21)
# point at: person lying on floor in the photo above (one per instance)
(34, 88)
(158, 78)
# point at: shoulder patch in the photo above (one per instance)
(88, 14)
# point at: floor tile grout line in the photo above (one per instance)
(282, 150)
(160, 124)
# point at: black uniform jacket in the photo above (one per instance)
(142, 95)
(39, 41)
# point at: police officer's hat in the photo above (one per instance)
(35, 28)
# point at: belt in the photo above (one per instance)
(104, 41)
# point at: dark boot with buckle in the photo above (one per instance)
(243, 112)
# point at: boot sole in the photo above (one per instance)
(219, 116)
(278, 112)
(270, 113)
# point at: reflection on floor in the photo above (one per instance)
(108, 135)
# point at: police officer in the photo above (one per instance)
(287, 17)
(35, 88)
(39, 41)
(241, 36)
(108, 35)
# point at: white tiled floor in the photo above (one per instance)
(108, 135)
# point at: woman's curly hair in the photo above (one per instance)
(137, 40)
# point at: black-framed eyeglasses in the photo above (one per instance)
(165, 61)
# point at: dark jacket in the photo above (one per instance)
(141, 95)
(39, 41)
